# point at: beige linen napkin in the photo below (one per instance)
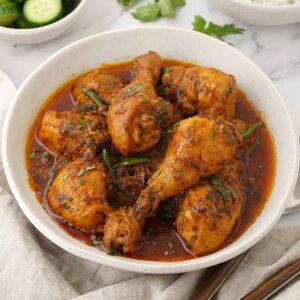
(31, 267)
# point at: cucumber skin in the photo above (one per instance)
(35, 24)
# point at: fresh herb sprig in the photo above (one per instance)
(128, 3)
(159, 8)
(212, 29)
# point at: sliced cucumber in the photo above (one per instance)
(42, 12)
(9, 14)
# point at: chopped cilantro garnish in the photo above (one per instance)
(227, 193)
(68, 207)
(46, 154)
(82, 125)
(95, 240)
(32, 155)
(166, 70)
(135, 88)
(113, 251)
(83, 171)
(66, 177)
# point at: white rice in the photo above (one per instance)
(274, 2)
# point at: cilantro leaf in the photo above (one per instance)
(212, 29)
(199, 24)
(167, 8)
(178, 2)
(32, 155)
(147, 13)
(159, 8)
(226, 192)
(128, 3)
(95, 240)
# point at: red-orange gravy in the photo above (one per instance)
(160, 241)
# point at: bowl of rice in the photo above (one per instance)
(261, 12)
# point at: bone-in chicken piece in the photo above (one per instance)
(78, 195)
(203, 91)
(137, 117)
(73, 133)
(198, 148)
(106, 85)
(210, 211)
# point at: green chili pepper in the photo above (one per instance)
(248, 131)
(117, 184)
(131, 161)
(106, 159)
(121, 188)
(93, 96)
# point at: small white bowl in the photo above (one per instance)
(260, 14)
(41, 34)
(119, 46)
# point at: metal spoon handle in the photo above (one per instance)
(275, 283)
(218, 275)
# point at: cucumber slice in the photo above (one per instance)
(42, 12)
(9, 14)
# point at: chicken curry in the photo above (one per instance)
(152, 159)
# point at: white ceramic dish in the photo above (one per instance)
(117, 46)
(260, 14)
(41, 34)
(7, 91)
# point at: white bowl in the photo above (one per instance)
(41, 34)
(117, 46)
(260, 14)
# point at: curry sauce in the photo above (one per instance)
(160, 241)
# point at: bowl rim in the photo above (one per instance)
(267, 7)
(129, 264)
(53, 26)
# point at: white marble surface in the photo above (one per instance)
(276, 50)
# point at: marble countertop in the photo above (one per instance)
(276, 50)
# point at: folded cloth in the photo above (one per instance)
(31, 267)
